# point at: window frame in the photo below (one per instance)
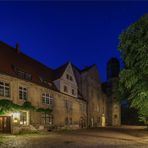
(3, 87)
(23, 93)
(47, 118)
(71, 78)
(24, 116)
(73, 91)
(65, 89)
(67, 76)
(47, 99)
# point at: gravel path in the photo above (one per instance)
(94, 138)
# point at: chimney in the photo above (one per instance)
(17, 48)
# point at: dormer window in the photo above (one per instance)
(45, 81)
(65, 88)
(28, 76)
(21, 74)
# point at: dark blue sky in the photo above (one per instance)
(56, 32)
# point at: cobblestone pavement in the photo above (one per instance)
(92, 138)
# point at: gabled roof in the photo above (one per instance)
(10, 58)
(60, 70)
(88, 68)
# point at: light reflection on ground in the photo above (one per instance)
(92, 138)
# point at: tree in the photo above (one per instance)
(133, 79)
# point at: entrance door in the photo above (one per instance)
(5, 124)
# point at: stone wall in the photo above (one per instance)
(91, 90)
(35, 97)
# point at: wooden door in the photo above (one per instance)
(5, 124)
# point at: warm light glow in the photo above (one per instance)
(15, 120)
(103, 120)
(16, 115)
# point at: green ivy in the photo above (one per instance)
(28, 106)
(7, 106)
(47, 110)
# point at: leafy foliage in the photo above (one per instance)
(133, 83)
(28, 106)
(47, 110)
(7, 106)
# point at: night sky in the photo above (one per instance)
(56, 32)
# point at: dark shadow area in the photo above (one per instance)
(129, 116)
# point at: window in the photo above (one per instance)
(71, 78)
(47, 99)
(28, 76)
(51, 101)
(45, 81)
(4, 89)
(23, 118)
(115, 116)
(68, 106)
(67, 76)
(47, 118)
(22, 74)
(23, 93)
(68, 121)
(65, 89)
(73, 91)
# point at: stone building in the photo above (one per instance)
(110, 87)
(74, 95)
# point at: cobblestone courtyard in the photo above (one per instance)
(92, 138)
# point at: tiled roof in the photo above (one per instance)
(10, 58)
(13, 61)
(60, 70)
(87, 68)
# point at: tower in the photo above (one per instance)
(113, 106)
(113, 68)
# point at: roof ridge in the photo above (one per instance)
(27, 56)
(88, 67)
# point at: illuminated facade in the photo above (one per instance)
(75, 96)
